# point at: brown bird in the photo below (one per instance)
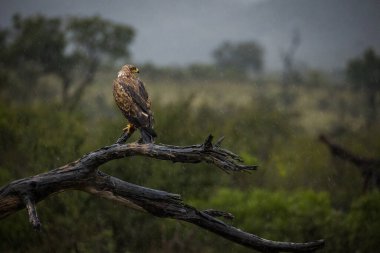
(133, 100)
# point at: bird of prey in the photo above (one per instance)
(133, 100)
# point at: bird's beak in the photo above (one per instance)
(136, 70)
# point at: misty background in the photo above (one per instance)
(173, 32)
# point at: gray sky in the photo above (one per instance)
(180, 32)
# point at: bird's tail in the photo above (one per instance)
(148, 135)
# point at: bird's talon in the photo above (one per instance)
(129, 128)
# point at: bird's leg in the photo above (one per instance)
(128, 131)
(129, 128)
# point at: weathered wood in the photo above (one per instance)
(33, 217)
(84, 175)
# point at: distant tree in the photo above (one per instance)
(364, 73)
(288, 59)
(95, 40)
(246, 56)
(37, 40)
(290, 75)
(32, 47)
(72, 50)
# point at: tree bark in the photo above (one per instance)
(83, 175)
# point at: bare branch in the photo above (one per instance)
(124, 137)
(32, 212)
(219, 157)
(217, 213)
(218, 143)
(369, 168)
(83, 175)
(344, 154)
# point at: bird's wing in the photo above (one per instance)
(137, 98)
(142, 90)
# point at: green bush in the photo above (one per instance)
(363, 223)
(298, 216)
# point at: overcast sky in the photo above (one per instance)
(180, 32)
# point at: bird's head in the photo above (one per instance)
(128, 70)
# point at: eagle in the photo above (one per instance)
(133, 100)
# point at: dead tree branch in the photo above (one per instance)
(84, 175)
(369, 168)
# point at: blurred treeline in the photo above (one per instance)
(56, 104)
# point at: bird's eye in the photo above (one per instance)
(134, 70)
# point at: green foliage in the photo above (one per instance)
(299, 216)
(363, 222)
(276, 215)
(246, 56)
